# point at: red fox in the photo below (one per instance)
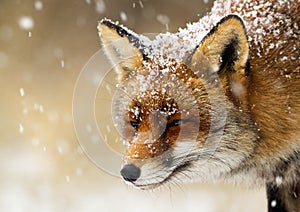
(219, 99)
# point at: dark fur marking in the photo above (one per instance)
(229, 54)
(247, 68)
(132, 39)
(285, 195)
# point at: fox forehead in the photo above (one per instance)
(166, 88)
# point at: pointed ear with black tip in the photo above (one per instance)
(123, 48)
(227, 50)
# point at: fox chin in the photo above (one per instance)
(217, 100)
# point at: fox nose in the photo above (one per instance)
(130, 172)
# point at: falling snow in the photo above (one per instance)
(123, 16)
(26, 22)
(22, 91)
(295, 195)
(25, 111)
(21, 128)
(62, 63)
(38, 107)
(88, 128)
(38, 5)
(100, 6)
(79, 172)
(278, 180)
(141, 4)
(35, 142)
(273, 203)
(163, 19)
(108, 128)
(58, 52)
(53, 116)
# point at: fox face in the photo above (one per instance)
(182, 118)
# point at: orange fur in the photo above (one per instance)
(229, 108)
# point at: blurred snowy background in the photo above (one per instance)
(43, 46)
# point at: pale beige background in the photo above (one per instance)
(42, 167)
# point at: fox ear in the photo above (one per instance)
(123, 48)
(227, 50)
(226, 46)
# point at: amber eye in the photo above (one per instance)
(175, 123)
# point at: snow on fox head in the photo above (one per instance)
(181, 104)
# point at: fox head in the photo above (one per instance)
(183, 118)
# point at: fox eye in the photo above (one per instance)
(134, 124)
(175, 123)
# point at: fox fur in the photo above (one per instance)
(217, 100)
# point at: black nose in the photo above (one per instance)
(130, 172)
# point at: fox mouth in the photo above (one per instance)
(168, 179)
